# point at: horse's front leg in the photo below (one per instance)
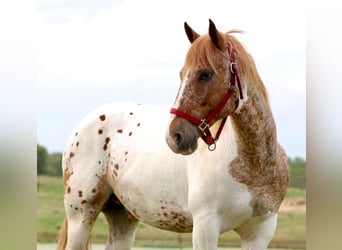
(206, 230)
(203, 205)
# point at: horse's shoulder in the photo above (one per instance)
(266, 182)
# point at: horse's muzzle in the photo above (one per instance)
(182, 136)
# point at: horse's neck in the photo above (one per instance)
(255, 129)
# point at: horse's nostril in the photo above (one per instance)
(179, 138)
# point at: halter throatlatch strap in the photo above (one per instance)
(203, 125)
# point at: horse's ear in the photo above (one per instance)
(192, 35)
(216, 36)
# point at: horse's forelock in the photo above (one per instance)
(203, 54)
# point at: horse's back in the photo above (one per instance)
(113, 121)
(114, 132)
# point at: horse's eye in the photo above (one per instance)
(205, 75)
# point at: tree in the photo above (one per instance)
(48, 164)
(54, 164)
(298, 172)
(42, 155)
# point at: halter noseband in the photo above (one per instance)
(203, 124)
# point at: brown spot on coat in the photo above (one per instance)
(72, 154)
(66, 175)
(80, 193)
(105, 146)
(102, 117)
(100, 131)
(120, 131)
(130, 133)
(101, 193)
(68, 190)
(116, 166)
(83, 202)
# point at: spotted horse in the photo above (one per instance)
(220, 168)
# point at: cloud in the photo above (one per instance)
(62, 10)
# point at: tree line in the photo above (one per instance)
(51, 164)
(48, 163)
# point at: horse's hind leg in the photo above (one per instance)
(83, 200)
(257, 233)
(122, 225)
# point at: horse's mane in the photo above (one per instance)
(203, 53)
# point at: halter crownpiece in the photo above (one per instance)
(233, 70)
(203, 124)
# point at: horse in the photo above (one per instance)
(218, 166)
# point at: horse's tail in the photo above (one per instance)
(62, 235)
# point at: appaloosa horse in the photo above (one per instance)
(117, 161)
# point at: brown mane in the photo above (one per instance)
(203, 53)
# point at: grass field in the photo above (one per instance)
(291, 230)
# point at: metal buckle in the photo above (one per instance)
(203, 126)
(231, 67)
(232, 87)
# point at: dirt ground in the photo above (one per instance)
(293, 204)
(101, 247)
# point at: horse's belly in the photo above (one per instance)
(152, 183)
(157, 197)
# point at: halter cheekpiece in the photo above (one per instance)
(203, 124)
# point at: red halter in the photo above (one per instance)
(203, 124)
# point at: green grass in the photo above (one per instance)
(295, 193)
(50, 207)
(291, 230)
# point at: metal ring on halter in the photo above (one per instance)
(231, 67)
(212, 146)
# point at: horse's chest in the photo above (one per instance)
(219, 193)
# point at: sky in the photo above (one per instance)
(92, 52)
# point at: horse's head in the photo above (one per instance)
(206, 93)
